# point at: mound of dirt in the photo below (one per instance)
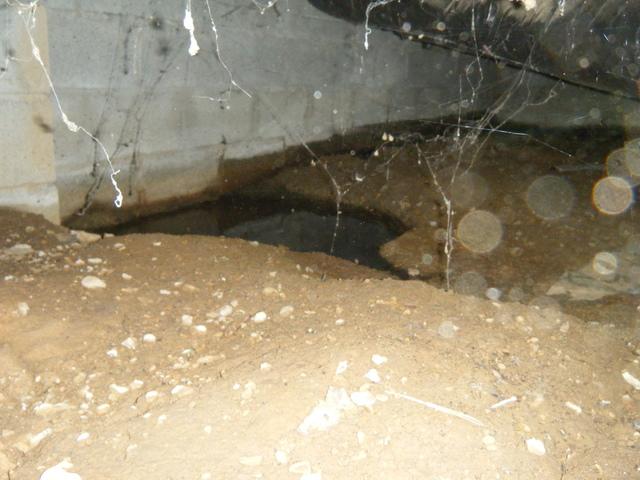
(165, 357)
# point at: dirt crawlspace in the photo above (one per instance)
(166, 357)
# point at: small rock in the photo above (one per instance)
(181, 391)
(36, 439)
(249, 390)
(186, 320)
(282, 457)
(149, 338)
(572, 406)
(200, 328)
(94, 261)
(136, 384)
(83, 436)
(45, 409)
(363, 399)
(92, 282)
(113, 353)
(286, 311)
(489, 442)
(259, 317)
(126, 276)
(151, 395)
(130, 343)
(225, 311)
(342, 367)
(631, 380)
(252, 461)
(265, 366)
(373, 376)
(379, 359)
(340, 322)
(23, 309)
(118, 389)
(85, 237)
(536, 446)
(60, 472)
(19, 250)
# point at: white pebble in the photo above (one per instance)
(259, 317)
(23, 309)
(151, 395)
(113, 353)
(379, 359)
(130, 343)
(363, 399)
(373, 376)
(60, 472)
(536, 446)
(340, 322)
(574, 407)
(181, 391)
(225, 311)
(342, 367)
(94, 261)
(149, 338)
(200, 328)
(286, 311)
(35, 439)
(92, 282)
(281, 457)
(136, 384)
(126, 276)
(83, 436)
(118, 389)
(265, 366)
(186, 320)
(631, 380)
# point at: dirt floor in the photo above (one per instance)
(167, 357)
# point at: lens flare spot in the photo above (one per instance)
(550, 197)
(612, 195)
(480, 231)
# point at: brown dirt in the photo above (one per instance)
(248, 386)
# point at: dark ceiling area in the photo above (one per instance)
(592, 43)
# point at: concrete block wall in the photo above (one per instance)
(169, 121)
(122, 71)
